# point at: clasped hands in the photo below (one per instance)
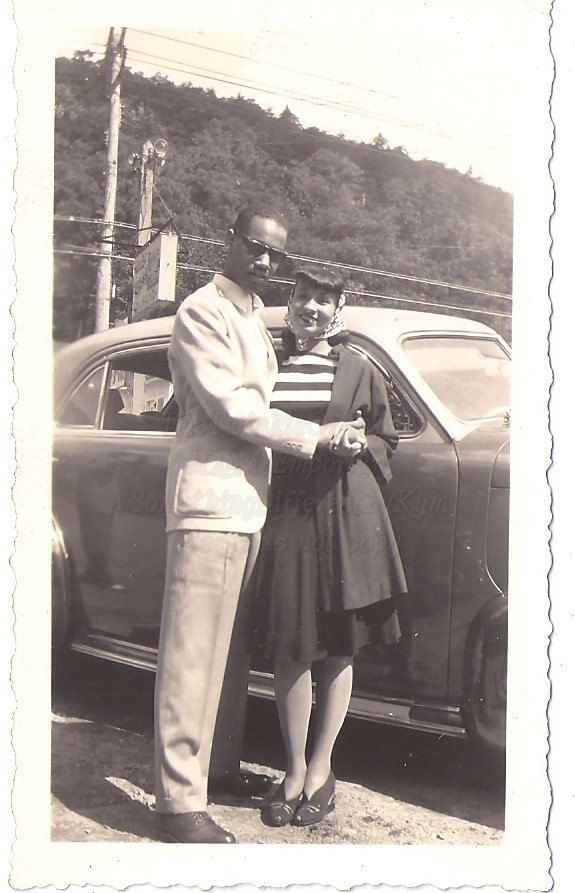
(345, 439)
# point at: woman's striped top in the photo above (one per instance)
(304, 383)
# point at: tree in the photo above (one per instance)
(288, 118)
(379, 142)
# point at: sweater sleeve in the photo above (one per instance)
(212, 368)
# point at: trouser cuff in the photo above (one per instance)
(193, 803)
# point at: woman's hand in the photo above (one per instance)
(346, 439)
(350, 448)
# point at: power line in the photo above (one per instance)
(371, 294)
(353, 267)
(160, 196)
(311, 74)
(210, 74)
(69, 218)
(407, 278)
(195, 71)
(366, 294)
(87, 253)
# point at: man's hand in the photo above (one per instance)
(346, 439)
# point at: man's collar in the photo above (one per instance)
(245, 301)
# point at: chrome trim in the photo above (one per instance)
(386, 710)
(114, 433)
(267, 678)
(61, 585)
(94, 651)
(390, 711)
(59, 538)
(64, 430)
(454, 333)
(122, 643)
(103, 394)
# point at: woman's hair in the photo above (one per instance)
(326, 278)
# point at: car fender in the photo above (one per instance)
(61, 590)
(485, 676)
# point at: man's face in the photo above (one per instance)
(254, 254)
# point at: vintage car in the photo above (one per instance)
(448, 380)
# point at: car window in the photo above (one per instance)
(405, 419)
(81, 409)
(139, 393)
(470, 375)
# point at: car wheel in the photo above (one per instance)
(486, 684)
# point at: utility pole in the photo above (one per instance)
(147, 171)
(156, 257)
(151, 160)
(115, 58)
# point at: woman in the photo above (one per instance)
(329, 566)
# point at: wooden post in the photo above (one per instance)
(115, 54)
(146, 193)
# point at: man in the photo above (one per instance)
(223, 368)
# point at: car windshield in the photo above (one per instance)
(471, 376)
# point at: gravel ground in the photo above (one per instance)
(393, 786)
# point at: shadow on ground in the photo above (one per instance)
(97, 769)
(444, 775)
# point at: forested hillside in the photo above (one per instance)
(357, 203)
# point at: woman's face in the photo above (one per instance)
(311, 309)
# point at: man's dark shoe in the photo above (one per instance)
(240, 785)
(191, 827)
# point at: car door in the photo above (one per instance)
(421, 500)
(109, 481)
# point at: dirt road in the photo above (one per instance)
(393, 786)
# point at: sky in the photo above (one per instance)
(442, 78)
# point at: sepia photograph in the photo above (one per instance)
(288, 259)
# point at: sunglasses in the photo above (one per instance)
(256, 248)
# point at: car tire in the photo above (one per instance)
(486, 679)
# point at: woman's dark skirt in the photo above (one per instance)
(329, 569)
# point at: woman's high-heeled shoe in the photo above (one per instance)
(316, 807)
(280, 811)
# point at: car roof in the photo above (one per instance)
(381, 324)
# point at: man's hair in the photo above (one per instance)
(326, 278)
(246, 216)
